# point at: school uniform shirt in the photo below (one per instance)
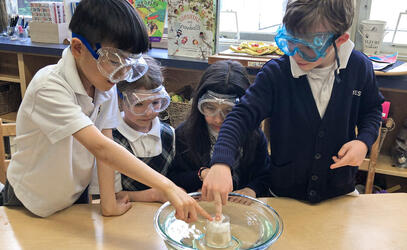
(303, 143)
(142, 145)
(321, 80)
(51, 169)
(155, 148)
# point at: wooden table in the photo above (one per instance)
(377, 221)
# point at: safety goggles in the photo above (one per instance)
(310, 48)
(115, 64)
(140, 102)
(212, 104)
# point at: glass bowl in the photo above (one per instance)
(253, 224)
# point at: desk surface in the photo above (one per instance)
(377, 221)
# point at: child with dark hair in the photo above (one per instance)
(66, 118)
(316, 94)
(140, 132)
(219, 90)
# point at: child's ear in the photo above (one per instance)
(342, 39)
(76, 47)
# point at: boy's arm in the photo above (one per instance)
(370, 112)
(260, 168)
(106, 176)
(148, 195)
(117, 157)
(245, 117)
(369, 118)
(255, 105)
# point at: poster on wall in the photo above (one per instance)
(153, 14)
(191, 28)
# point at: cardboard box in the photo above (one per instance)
(49, 32)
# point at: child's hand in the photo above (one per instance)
(217, 185)
(245, 191)
(351, 154)
(157, 195)
(186, 207)
(121, 206)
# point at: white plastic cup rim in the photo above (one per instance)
(373, 26)
(373, 22)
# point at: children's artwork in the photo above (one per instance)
(384, 58)
(153, 14)
(191, 28)
(380, 62)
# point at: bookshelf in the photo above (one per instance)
(384, 166)
(19, 68)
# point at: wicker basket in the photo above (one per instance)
(177, 112)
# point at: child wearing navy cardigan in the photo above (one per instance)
(316, 94)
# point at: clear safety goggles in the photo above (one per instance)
(140, 102)
(115, 64)
(310, 48)
(212, 104)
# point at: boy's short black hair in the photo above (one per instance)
(152, 79)
(302, 16)
(110, 21)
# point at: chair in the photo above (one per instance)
(374, 154)
(372, 161)
(6, 129)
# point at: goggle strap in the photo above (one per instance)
(336, 71)
(87, 45)
(120, 94)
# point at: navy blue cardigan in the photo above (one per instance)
(252, 173)
(302, 144)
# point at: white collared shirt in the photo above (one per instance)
(321, 80)
(50, 169)
(143, 144)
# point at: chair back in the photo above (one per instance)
(6, 129)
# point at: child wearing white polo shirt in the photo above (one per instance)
(66, 118)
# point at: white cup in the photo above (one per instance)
(372, 32)
(218, 234)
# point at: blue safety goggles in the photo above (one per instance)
(310, 48)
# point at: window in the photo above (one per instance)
(248, 20)
(24, 7)
(393, 12)
(389, 11)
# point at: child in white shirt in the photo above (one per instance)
(66, 118)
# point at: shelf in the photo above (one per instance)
(250, 62)
(9, 117)
(384, 166)
(9, 78)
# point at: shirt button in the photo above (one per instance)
(314, 177)
(321, 133)
(312, 193)
(317, 156)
